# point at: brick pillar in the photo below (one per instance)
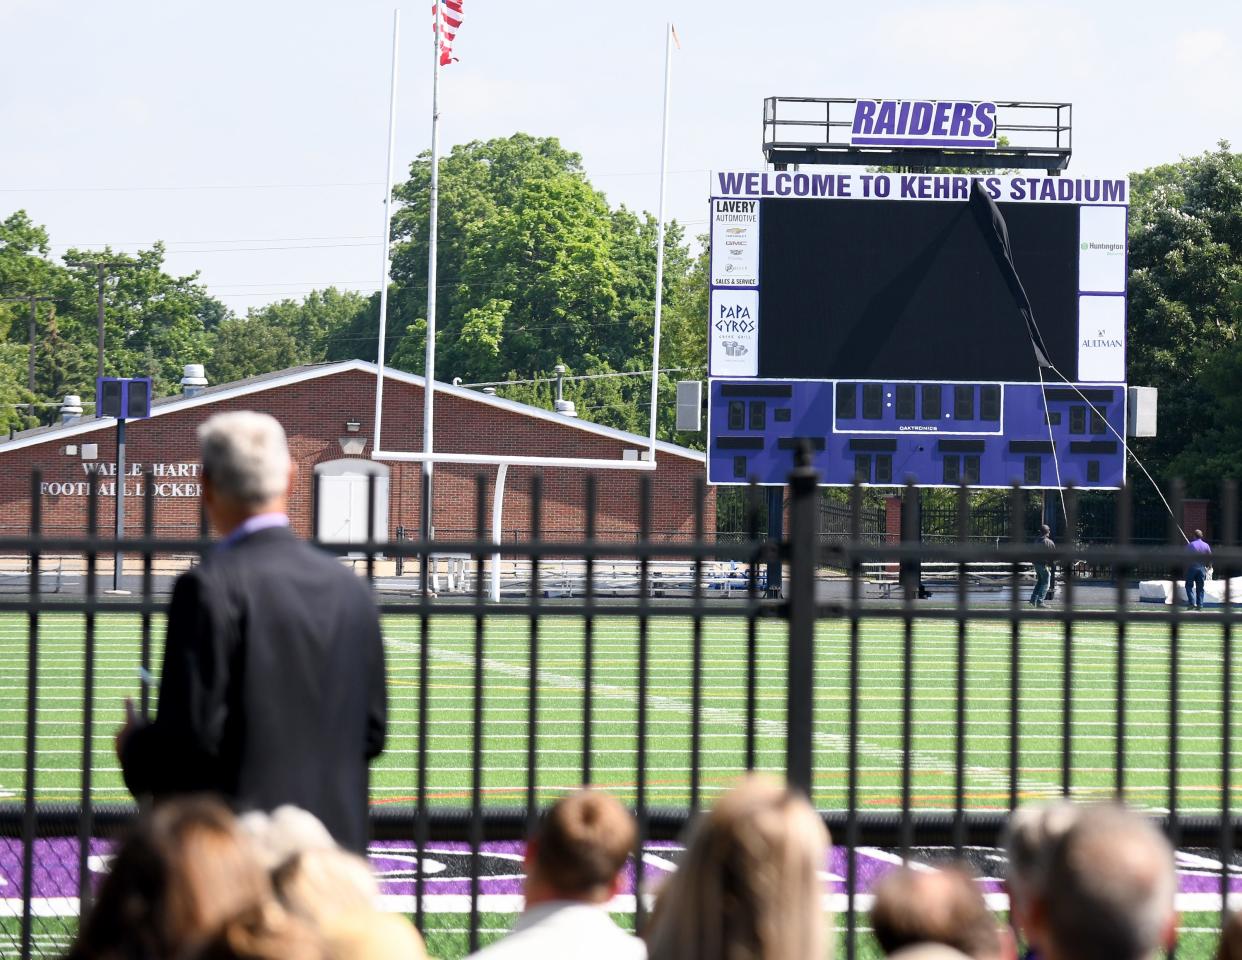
(1196, 516)
(892, 519)
(892, 525)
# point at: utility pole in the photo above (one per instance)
(33, 301)
(101, 268)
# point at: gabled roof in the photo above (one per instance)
(271, 381)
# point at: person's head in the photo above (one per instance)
(1231, 938)
(1110, 890)
(578, 849)
(1045, 530)
(320, 884)
(284, 833)
(184, 870)
(943, 906)
(265, 933)
(749, 883)
(1029, 838)
(246, 466)
(1198, 534)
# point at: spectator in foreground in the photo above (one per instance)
(1110, 890)
(182, 874)
(944, 906)
(272, 690)
(1029, 839)
(1231, 938)
(573, 868)
(749, 884)
(928, 951)
(329, 889)
(314, 878)
(1196, 573)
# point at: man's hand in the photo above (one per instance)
(131, 724)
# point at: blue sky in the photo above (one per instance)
(251, 136)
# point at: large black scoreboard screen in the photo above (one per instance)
(888, 289)
(867, 318)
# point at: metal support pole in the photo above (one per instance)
(118, 558)
(429, 361)
(803, 550)
(776, 533)
(498, 505)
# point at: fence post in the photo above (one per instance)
(803, 559)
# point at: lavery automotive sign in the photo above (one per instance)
(924, 123)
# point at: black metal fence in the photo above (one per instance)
(807, 687)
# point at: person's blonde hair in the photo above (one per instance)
(748, 887)
(317, 885)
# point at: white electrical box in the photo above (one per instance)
(1141, 412)
(689, 405)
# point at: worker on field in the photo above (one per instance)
(1043, 572)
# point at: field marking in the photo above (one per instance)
(773, 728)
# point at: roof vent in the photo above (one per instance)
(70, 408)
(193, 380)
(562, 406)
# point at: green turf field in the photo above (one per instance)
(614, 713)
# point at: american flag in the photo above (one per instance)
(449, 24)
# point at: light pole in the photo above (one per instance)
(32, 300)
(101, 268)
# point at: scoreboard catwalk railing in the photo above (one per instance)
(832, 690)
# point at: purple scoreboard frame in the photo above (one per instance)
(934, 432)
(938, 433)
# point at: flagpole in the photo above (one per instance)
(429, 366)
(659, 277)
(385, 270)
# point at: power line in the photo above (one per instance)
(342, 236)
(197, 186)
(581, 376)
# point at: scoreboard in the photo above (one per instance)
(864, 314)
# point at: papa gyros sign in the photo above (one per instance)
(924, 123)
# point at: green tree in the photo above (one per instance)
(1184, 296)
(284, 334)
(535, 269)
(154, 323)
(247, 346)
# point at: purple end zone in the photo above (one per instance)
(447, 867)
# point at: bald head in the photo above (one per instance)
(941, 906)
(1110, 889)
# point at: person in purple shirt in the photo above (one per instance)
(1196, 574)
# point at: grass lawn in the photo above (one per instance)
(615, 706)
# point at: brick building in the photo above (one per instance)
(328, 411)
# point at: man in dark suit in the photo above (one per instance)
(272, 690)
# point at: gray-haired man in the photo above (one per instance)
(273, 688)
(1110, 890)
